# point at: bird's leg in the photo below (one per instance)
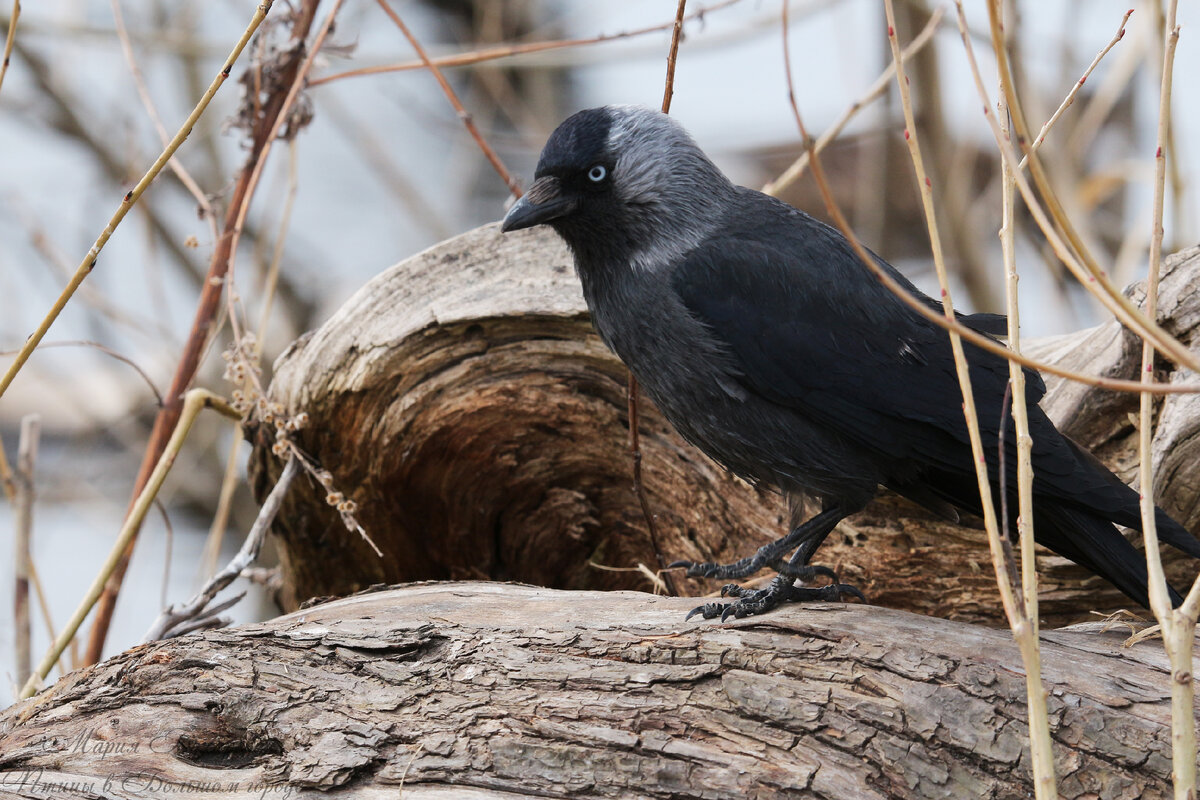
(808, 536)
(783, 589)
(759, 601)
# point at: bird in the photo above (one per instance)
(768, 344)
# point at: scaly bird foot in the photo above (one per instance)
(751, 565)
(759, 601)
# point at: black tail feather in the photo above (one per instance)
(1096, 544)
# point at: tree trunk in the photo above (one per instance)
(463, 401)
(482, 690)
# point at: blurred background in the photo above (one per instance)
(380, 167)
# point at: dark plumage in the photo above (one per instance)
(771, 347)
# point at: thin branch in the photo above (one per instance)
(216, 533)
(278, 120)
(1061, 250)
(1014, 605)
(1058, 227)
(196, 401)
(1020, 408)
(158, 399)
(10, 38)
(26, 491)
(171, 621)
(635, 448)
(266, 124)
(130, 198)
(1178, 625)
(1076, 88)
(463, 114)
(793, 172)
(508, 51)
(139, 82)
(672, 54)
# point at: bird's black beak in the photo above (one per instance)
(543, 202)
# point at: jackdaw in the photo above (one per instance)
(770, 346)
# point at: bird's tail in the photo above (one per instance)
(1095, 543)
(1129, 512)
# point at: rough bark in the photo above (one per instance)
(463, 401)
(482, 690)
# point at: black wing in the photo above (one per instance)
(809, 327)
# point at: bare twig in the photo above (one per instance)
(1020, 409)
(158, 399)
(463, 114)
(130, 198)
(508, 51)
(267, 123)
(1064, 253)
(171, 622)
(267, 141)
(672, 54)
(1178, 625)
(212, 546)
(26, 459)
(1076, 88)
(1058, 227)
(1016, 606)
(656, 578)
(10, 38)
(639, 488)
(175, 164)
(793, 172)
(196, 401)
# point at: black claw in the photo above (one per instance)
(845, 588)
(781, 590)
(708, 610)
(680, 563)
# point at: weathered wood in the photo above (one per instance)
(482, 690)
(463, 401)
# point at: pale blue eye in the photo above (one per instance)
(597, 173)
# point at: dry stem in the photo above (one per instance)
(10, 38)
(508, 51)
(1061, 250)
(207, 307)
(1058, 227)
(131, 198)
(635, 449)
(793, 172)
(26, 459)
(463, 114)
(1023, 630)
(1178, 625)
(196, 613)
(176, 165)
(195, 401)
(1075, 89)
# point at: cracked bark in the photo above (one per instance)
(463, 401)
(485, 690)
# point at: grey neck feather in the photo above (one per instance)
(674, 193)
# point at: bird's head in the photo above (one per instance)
(622, 178)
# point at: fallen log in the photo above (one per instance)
(462, 400)
(487, 690)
